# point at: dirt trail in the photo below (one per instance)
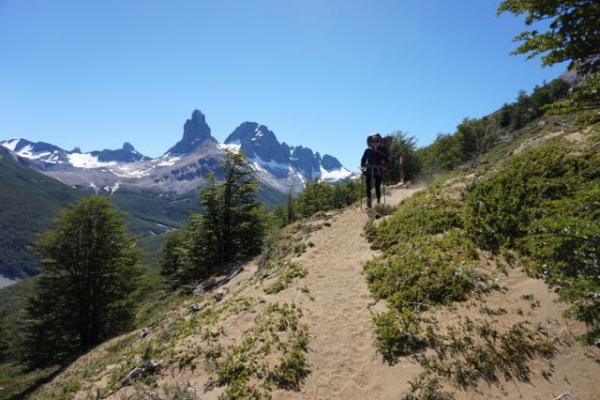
(343, 358)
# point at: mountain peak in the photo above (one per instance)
(128, 146)
(257, 140)
(195, 132)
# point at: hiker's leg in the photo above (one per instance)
(369, 182)
(378, 187)
(368, 176)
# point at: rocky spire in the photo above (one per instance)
(195, 132)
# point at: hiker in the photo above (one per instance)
(373, 164)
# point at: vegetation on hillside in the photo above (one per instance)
(28, 202)
(475, 138)
(84, 295)
(545, 204)
(230, 228)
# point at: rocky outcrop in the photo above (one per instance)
(127, 154)
(195, 132)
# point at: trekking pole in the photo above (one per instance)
(383, 182)
(402, 167)
(372, 185)
(361, 186)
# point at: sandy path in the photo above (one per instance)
(344, 360)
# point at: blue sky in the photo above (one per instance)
(321, 73)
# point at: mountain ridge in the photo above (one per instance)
(184, 166)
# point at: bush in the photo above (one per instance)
(426, 212)
(397, 333)
(426, 270)
(545, 203)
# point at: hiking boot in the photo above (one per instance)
(369, 205)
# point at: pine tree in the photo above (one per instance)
(315, 197)
(290, 208)
(89, 268)
(411, 164)
(172, 257)
(230, 228)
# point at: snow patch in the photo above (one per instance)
(86, 160)
(112, 189)
(130, 171)
(270, 164)
(335, 175)
(168, 162)
(11, 144)
(233, 147)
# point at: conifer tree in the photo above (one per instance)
(89, 268)
(290, 209)
(230, 228)
(315, 197)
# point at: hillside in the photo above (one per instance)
(28, 201)
(433, 314)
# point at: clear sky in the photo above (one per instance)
(321, 73)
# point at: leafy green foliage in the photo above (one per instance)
(544, 203)
(426, 387)
(428, 261)
(246, 369)
(292, 270)
(583, 102)
(474, 138)
(465, 361)
(424, 213)
(572, 35)
(426, 270)
(316, 196)
(501, 208)
(89, 269)
(230, 228)
(530, 107)
(398, 333)
(411, 166)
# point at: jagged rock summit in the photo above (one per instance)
(257, 140)
(126, 154)
(264, 150)
(195, 132)
(184, 166)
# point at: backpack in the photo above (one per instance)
(386, 143)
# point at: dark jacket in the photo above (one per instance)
(374, 159)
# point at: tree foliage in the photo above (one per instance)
(545, 203)
(411, 166)
(475, 137)
(90, 267)
(230, 228)
(572, 35)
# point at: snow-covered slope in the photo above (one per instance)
(184, 166)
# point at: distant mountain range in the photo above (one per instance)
(184, 166)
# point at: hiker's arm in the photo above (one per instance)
(363, 160)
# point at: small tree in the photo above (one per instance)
(315, 197)
(89, 269)
(173, 254)
(230, 228)
(411, 165)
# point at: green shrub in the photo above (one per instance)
(292, 270)
(425, 212)
(426, 270)
(469, 352)
(501, 207)
(545, 203)
(397, 333)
